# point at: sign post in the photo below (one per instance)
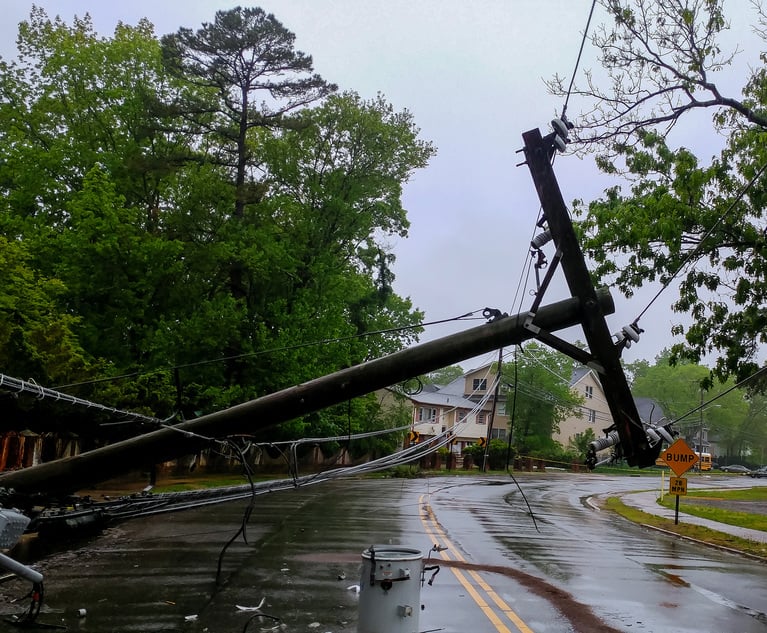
(679, 457)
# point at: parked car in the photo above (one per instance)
(736, 468)
(759, 472)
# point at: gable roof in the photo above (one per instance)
(439, 398)
(455, 387)
(580, 372)
(649, 410)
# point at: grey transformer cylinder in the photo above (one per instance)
(390, 590)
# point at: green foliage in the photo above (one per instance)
(36, 337)
(443, 376)
(497, 454)
(682, 388)
(405, 472)
(251, 75)
(539, 397)
(681, 220)
(579, 444)
(195, 204)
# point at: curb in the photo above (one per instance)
(723, 548)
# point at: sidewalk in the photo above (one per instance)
(646, 501)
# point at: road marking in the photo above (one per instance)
(435, 532)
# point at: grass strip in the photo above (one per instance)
(696, 532)
(722, 515)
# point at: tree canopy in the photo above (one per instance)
(734, 419)
(199, 215)
(538, 397)
(681, 222)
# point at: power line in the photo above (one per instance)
(31, 387)
(274, 350)
(578, 60)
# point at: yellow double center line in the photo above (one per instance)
(437, 535)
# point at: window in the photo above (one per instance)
(462, 413)
(498, 434)
(481, 417)
(589, 391)
(592, 416)
(426, 414)
(479, 384)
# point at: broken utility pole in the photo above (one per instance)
(75, 473)
(604, 354)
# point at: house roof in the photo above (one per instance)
(439, 398)
(579, 373)
(649, 410)
(455, 387)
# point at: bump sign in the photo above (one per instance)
(679, 457)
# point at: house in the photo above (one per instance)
(594, 413)
(467, 406)
(468, 403)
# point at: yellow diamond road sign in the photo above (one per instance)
(679, 457)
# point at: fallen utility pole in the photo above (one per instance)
(71, 474)
(604, 354)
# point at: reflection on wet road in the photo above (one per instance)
(632, 578)
(572, 569)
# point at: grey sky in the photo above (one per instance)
(472, 75)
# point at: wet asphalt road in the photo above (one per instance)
(573, 569)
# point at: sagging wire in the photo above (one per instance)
(508, 447)
(432, 568)
(39, 392)
(29, 618)
(336, 438)
(286, 348)
(738, 385)
(246, 515)
(578, 59)
(261, 615)
(401, 457)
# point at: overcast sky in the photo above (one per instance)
(472, 74)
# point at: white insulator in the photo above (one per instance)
(561, 129)
(601, 443)
(542, 238)
(665, 435)
(630, 332)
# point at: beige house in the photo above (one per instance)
(468, 403)
(594, 413)
(465, 406)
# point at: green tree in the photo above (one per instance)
(72, 99)
(443, 376)
(682, 218)
(539, 392)
(680, 390)
(247, 59)
(36, 337)
(579, 443)
(131, 203)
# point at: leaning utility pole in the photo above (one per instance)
(604, 354)
(75, 473)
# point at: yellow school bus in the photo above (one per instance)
(704, 461)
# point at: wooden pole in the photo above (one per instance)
(605, 354)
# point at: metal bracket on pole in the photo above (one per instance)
(604, 356)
